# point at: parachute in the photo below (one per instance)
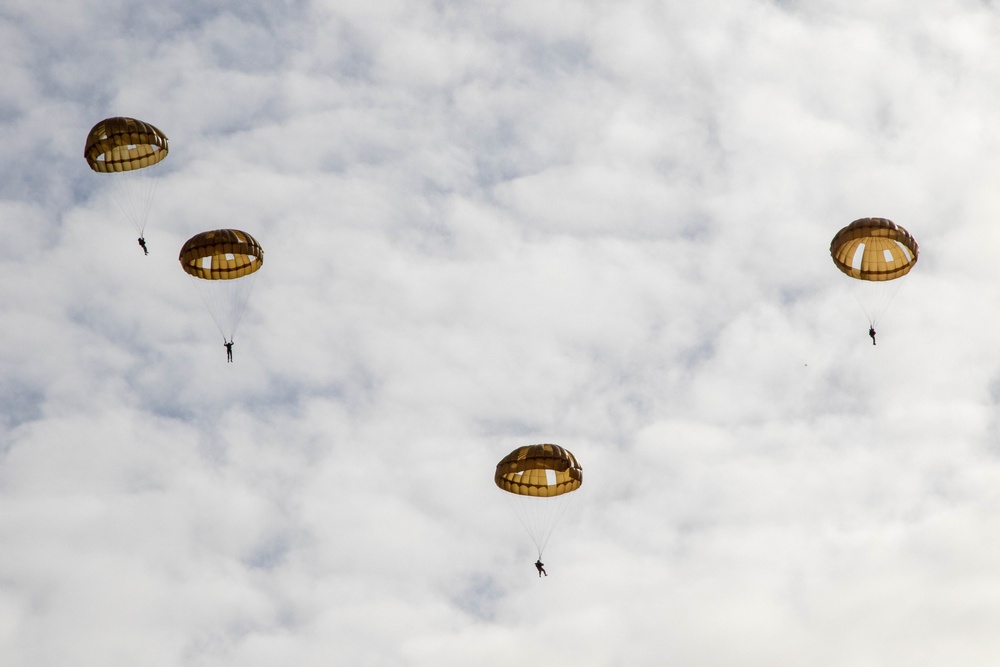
(874, 253)
(124, 148)
(223, 263)
(539, 481)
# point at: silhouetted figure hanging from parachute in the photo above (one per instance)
(874, 253)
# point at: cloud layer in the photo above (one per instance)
(604, 226)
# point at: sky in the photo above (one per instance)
(603, 225)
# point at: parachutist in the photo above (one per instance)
(142, 242)
(540, 566)
(229, 351)
(871, 332)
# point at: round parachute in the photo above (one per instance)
(124, 147)
(874, 252)
(223, 263)
(124, 144)
(539, 481)
(874, 249)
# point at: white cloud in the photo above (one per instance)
(604, 226)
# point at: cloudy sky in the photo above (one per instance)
(604, 225)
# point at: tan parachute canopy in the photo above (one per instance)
(124, 144)
(221, 254)
(539, 470)
(874, 249)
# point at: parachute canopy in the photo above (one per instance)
(539, 481)
(223, 263)
(221, 254)
(124, 144)
(874, 253)
(874, 249)
(539, 470)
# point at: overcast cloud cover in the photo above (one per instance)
(604, 225)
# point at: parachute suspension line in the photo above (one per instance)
(240, 290)
(559, 508)
(539, 516)
(133, 192)
(516, 504)
(226, 301)
(874, 297)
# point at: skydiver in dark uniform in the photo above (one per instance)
(229, 351)
(871, 332)
(142, 242)
(540, 566)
